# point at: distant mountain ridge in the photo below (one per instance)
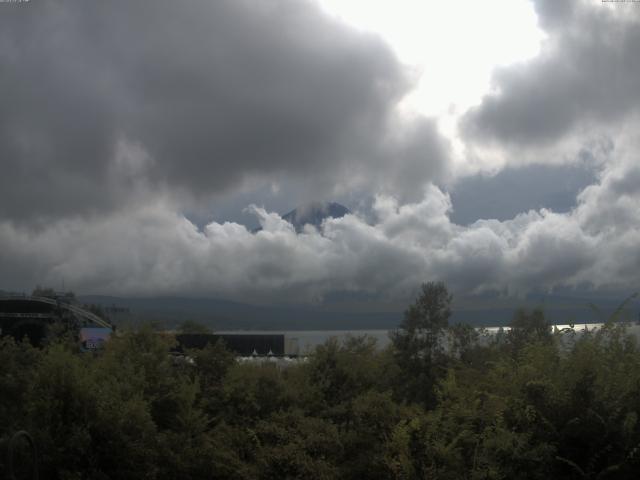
(313, 214)
(219, 314)
(224, 314)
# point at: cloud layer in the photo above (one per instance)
(105, 104)
(584, 82)
(118, 117)
(155, 251)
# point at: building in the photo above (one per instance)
(38, 318)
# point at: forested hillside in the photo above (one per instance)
(521, 407)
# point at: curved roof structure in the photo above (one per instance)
(27, 306)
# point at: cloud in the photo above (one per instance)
(104, 103)
(117, 118)
(584, 83)
(154, 250)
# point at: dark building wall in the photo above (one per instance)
(240, 344)
(24, 306)
(22, 318)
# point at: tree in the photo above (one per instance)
(212, 364)
(418, 343)
(341, 372)
(528, 328)
(191, 326)
(44, 292)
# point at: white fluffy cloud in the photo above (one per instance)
(154, 250)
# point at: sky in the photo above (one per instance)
(491, 145)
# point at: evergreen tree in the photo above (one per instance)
(419, 343)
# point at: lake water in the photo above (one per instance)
(302, 342)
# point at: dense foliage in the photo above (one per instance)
(523, 404)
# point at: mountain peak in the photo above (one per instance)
(314, 214)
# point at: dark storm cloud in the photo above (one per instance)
(586, 76)
(102, 101)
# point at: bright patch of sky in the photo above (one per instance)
(452, 45)
(452, 48)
